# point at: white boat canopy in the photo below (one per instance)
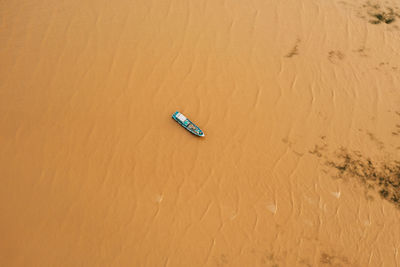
(181, 117)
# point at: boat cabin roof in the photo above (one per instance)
(181, 117)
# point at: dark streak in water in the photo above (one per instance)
(382, 177)
(295, 49)
(381, 14)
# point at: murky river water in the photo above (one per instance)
(299, 101)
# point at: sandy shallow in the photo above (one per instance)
(299, 101)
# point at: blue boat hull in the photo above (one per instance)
(187, 124)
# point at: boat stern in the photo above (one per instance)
(175, 114)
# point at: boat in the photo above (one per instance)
(187, 124)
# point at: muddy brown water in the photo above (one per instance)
(299, 101)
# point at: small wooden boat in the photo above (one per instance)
(187, 124)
